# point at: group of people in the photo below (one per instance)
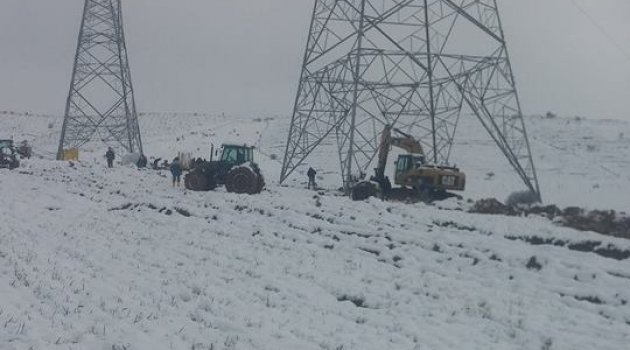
(177, 170)
(175, 167)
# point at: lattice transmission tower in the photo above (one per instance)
(101, 104)
(418, 65)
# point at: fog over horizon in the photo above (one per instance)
(243, 57)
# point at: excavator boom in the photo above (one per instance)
(409, 145)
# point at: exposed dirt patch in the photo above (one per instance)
(609, 251)
(452, 224)
(590, 299)
(608, 222)
(183, 212)
(357, 301)
(533, 264)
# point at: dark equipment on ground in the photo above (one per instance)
(24, 150)
(235, 169)
(8, 155)
(416, 177)
(142, 161)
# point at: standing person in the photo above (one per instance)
(311, 178)
(176, 170)
(386, 188)
(142, 161)
(110, 156)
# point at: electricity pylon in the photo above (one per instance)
(417, 65)
(101, 101)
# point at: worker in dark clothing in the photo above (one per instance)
(386, 188)
(311, 179)
(142, 161)
(176, 170)
(110, 156)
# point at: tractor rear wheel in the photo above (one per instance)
(244, 180)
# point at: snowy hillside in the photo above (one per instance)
(580, 162)
(96, 258)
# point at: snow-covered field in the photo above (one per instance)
(96, 258)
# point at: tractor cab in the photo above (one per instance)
(237, 154)
(8, 155)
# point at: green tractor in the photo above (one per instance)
(235, 169)
(8, 155)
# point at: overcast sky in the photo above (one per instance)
(244, 56)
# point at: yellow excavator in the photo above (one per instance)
(413, 174)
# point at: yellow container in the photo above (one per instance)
(71, 154)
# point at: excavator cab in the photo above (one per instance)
(408, 162)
